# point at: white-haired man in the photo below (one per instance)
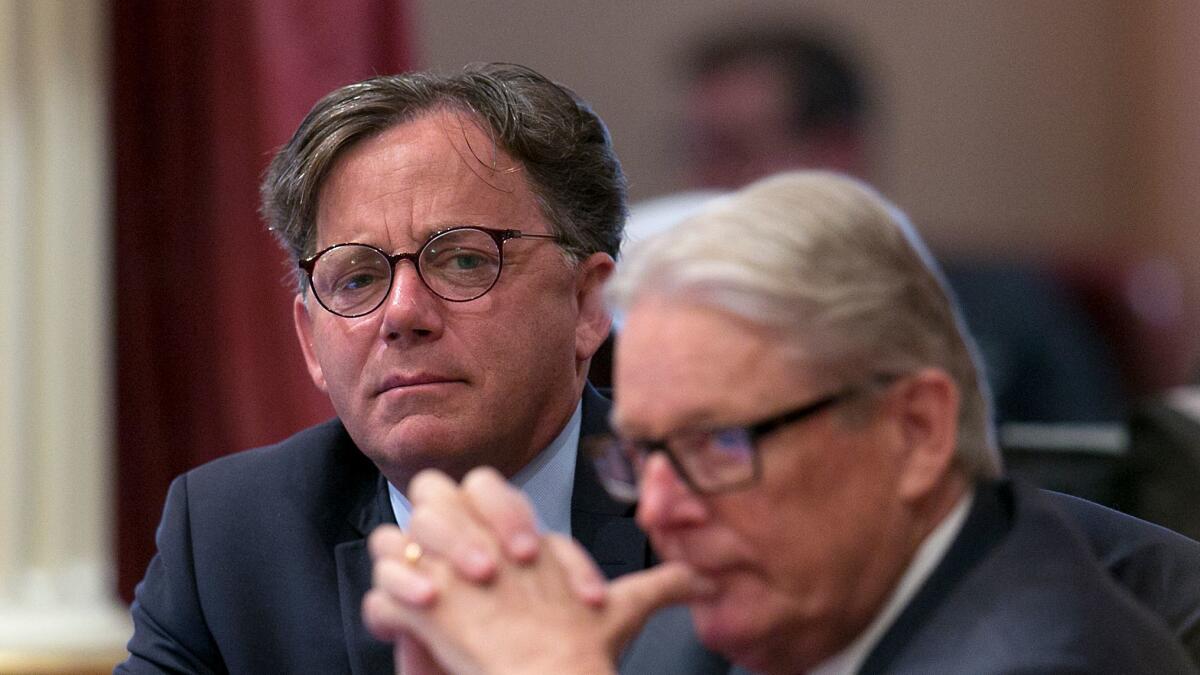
(800, 413)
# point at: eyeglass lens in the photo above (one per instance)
(717, 459)
(458, 265)
(707, 461)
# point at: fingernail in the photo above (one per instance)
(480, 565)
(593, 592)
(524, 546)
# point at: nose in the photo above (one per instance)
(411, 312)
(664, 500)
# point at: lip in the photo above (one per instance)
(411, 381)
(710, 563)
(706, 566)
(711, 570)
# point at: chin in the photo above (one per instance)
(420, 442)
(725, 627)
(740, 623)
(732, 642)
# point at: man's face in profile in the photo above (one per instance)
(801, 558)
(422, 381)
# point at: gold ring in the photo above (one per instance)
(413, 552)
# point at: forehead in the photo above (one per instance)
(438, 170)
(681, 364)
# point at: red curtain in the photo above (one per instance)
(207, 360)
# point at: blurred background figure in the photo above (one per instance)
(764, 99)
(1064, 344)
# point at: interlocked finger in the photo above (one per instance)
(396, 571)
(445, 523)
(505, 511)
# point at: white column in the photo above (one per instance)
(57, 597)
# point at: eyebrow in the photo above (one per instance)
(422, 234)
(426, 232)
(698, 420)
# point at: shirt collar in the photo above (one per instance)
(547, 481)
(929, 554)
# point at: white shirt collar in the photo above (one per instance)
(548, 480)
(929, 554)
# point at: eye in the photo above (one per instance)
(732, 438)
(466, 260)
(357, 280)
(457, 259)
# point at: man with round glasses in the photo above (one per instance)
(800, 414)
(451, 234)
(457, 264)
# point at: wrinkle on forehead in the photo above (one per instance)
(493, 167)
(418, 174)
(484, 163)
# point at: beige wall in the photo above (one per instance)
(998, 124)
(1163, 152)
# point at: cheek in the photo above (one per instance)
(541, 322)
(342, 347)
(510, 343)
(808, 509)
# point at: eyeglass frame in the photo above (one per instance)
(599, 446)
(499, 236)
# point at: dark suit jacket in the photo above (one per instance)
(262, 563)
(1161, 568)
(1022, 590)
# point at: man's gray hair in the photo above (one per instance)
(563, 149)
(838, 270)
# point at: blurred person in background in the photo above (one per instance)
(761, 99)
(765, 98)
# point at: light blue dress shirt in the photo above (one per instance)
(548, 481)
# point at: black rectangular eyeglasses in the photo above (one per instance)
(709, 461)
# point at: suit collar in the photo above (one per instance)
(589, 495)
(604, 526)
(364, 491)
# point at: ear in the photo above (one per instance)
(304, 332)
(928, 402)
(593, 322)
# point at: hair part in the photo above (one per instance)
(562, 146)
(839, 271)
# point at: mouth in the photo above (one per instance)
(709, 568)
(414, 382)
(712, 572)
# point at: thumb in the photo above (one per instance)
(634, 597)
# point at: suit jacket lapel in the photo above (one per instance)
(987, 523)
(370, 507)
(605, 527)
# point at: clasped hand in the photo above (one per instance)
(484, 592)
